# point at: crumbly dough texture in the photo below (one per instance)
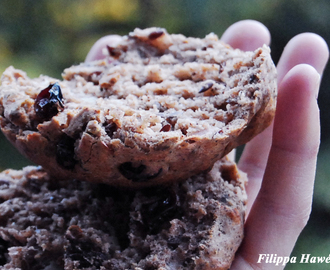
(51, 224)
(159, 108)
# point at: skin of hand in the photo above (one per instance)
(281, 161)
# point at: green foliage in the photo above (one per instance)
(46, 36)
(322, 183)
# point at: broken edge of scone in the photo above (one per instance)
(159, 109)
(69, 224)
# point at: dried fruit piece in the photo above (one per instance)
(166, 128)
(49, 101)
(253, 79)
(110, 128)
(82, 250)
(160, 209)
(114, 52)
(206, 87)
(74, 232)
(155, 34)
(136, 173)
(65, 152)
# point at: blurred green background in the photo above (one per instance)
(46, 36)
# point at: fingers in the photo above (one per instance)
(96, 53)
(283, 205)
(249, 35)
(232, 155)
(246, 35)
(253, 161)
(305, 48)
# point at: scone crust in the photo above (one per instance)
(68, 224)
(158, 109)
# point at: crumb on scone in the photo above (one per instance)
(159, 108)
(51, 224)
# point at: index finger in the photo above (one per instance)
(246, 35)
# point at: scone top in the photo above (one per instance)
(159, 108)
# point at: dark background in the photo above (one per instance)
(45, 36)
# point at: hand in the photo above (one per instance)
(281, 161)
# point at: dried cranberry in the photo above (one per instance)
(253, 79)
(85, 252)
(65, 152)
(74, 232)
(172, 120)
(174, 242)
(166, 128)
(159, 209)
(113, 51)
(49, 101)
(4, 183)
(110, 129)
(34, 185)
(136, 173)
(206, 87)
(155, 34)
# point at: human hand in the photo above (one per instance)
(281, 161)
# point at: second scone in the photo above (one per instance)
(66, 224)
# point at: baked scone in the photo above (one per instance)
(50, 224)
(158, 109)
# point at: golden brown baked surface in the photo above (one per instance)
(158, 109)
